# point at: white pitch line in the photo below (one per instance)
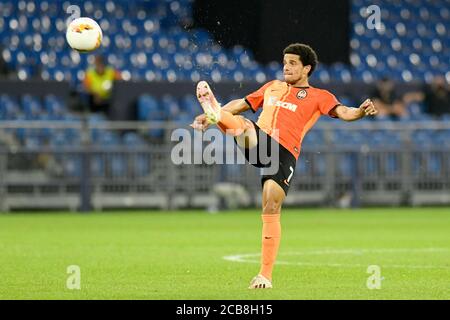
(247, 258)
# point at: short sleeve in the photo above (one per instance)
(255, 100)
(327, 103)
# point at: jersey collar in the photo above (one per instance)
(307, 87)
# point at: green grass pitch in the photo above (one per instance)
(324, 254)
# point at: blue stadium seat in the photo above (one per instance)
(132, 140)
(118, 165)
(314, 138)
(98, 166)
(32, 143)
(141, 165)
(170, 106)
(189, 104)
(31, 107)
(392, 164)
(54, 107)
(72, 166)
(346, 165)
(107, 139)
(147, 106)
(9, 108)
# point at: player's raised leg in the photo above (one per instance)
(234, 125)
(272, 200)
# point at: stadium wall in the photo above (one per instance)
(127, 93)
(267, 26)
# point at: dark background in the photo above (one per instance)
(268, 26)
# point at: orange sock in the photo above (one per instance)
(271, 235)
(231, 124)
(221, 127)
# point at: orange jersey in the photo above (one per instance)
(289, 112)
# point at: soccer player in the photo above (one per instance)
(289, 109)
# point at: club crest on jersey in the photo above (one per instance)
(302, 94)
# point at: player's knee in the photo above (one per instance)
(247, 139)
(272, 206)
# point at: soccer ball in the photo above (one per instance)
(84, 35)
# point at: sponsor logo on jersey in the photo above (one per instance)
(286, 105)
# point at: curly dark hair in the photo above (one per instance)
(307, 55)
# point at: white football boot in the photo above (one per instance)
(260, 282)
(208, 102)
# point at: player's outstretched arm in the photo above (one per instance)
(234, 107)
(367, 108)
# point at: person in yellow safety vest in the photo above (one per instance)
(98, 82)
